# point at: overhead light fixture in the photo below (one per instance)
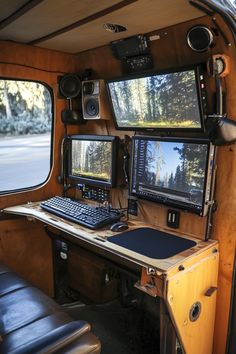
(114, 28)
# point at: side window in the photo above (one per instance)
(25, 134)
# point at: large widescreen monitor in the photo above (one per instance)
(171, 100)
(173, 171)
(92, 159)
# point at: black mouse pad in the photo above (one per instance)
(152, 243)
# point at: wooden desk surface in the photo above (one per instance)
(100, 238)
(180, 280)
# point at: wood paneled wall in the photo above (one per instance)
(24, 246)
(224, 226)
(172, 51)
(25, 62)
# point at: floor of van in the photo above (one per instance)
(121, 329)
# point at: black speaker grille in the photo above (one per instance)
(199, 38)
(88, 88)
(70, 85)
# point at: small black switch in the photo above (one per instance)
(132, 207)
(173, 218)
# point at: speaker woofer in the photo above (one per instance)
(200, 38)
(70, 85)
(92, 107)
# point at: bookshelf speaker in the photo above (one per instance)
(94, 100)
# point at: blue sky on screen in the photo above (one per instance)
(171, 157)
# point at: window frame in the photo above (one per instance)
(51, 93)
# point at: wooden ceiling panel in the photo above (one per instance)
(50, 16)
(9, 7)
(142, 16)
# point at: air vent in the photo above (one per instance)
(111, 27)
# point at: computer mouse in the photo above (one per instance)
(119, 226)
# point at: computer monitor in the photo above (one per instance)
(176, 172)
(92, 159)
(173, 100)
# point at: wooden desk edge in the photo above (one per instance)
(100, 238)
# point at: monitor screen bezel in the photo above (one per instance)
(93, 181)
(200, 210)
(201, 98)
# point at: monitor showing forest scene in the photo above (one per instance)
(92, 159)
(171, 171)
(161, 101)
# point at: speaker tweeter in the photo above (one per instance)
(94, 100)
(200, 38)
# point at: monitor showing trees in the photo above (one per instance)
(163, 101)
(170, 171)
(91, 159)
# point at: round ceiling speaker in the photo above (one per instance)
(70, 85)
(199, 38)
(92, 107)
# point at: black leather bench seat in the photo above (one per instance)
(31, 322)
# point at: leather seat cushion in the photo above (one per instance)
(23, 306)
(87, 344)
(4, 269)
(47, 335)
(10, 282)
(31, 322)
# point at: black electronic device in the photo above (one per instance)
(221, 130)
(175, 172)
(200, 38)
(132, 207)
(97, 194)
(92, 159)
(69, 85)
(172, 219)
(80, 213)
(69, 88)
(137, 64)
(128, 47)
(164, 101)
(70, 116)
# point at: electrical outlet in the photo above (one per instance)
(173, 218)
(132, 207)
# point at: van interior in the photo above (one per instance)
(117, 176)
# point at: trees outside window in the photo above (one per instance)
(25, 134)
